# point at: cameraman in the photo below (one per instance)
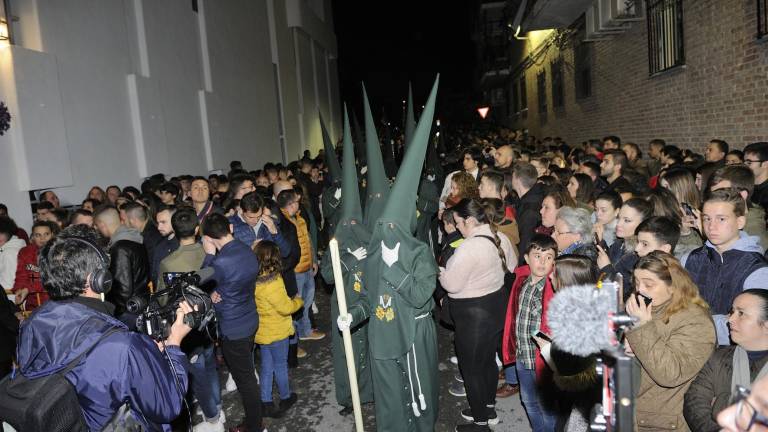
(126, 369)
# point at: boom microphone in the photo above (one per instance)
(580, 318)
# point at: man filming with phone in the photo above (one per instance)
(119, 377)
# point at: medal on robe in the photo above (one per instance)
(357, 286)
(384, 311)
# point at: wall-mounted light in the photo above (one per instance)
(4, 35)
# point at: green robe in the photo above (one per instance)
(427, 206)
(352, 270)
(331, 208)
(397, 300)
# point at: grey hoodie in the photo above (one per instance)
(126, 233)
(758, 279)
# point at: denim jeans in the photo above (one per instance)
(205, 381)
(541, 418)
(274, 360)
(306, 285)
(510, 375)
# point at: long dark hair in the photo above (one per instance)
(485, 211)
(269, 258)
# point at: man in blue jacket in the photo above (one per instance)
(126, 378)
(235, 270)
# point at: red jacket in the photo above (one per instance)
(28, 276)
(509, 340)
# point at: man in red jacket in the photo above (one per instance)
(27, 287)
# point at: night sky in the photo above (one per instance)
(385, 44)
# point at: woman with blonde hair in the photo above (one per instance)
(672, 339)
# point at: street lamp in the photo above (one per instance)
(483, 111)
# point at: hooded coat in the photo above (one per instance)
(721, 278)
(126, 367)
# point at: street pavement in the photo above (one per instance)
(316, 409)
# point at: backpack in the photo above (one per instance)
(47, 403)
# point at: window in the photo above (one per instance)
(523, 96)
(558, 98)
(665, 35)
(582, 59)
(541, 90)
(762, 19)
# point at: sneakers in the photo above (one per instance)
(493, 418)
(313, 335)
(472, 427)
(286, 404)
(301, 352)
(454, 360)
(457, 376)
(457, 389)
(506, 390)
(206, 426)
(230, 386)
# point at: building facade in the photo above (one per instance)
(682, 70)
(109, 92)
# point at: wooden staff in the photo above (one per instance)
(333, 245)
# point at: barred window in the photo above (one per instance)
(665, 35)
(582, 59)
(558, 96)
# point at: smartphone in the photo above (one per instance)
(687, 209)
(544, 336)
(645, 298)
(600, 243)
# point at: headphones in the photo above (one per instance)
(101, 279)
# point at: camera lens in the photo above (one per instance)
(136, 305)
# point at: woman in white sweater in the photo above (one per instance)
(474, 280)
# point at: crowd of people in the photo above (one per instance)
(513, 222)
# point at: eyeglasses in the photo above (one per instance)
(746, 414)
(557, 233)
(750, 161)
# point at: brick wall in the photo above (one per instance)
(721, 92)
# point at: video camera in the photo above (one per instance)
(157, 312)
(590, 321)
(616, 369)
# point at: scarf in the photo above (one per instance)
(740, 376)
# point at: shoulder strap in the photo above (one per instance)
(71, 365)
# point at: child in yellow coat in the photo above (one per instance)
(275, 327)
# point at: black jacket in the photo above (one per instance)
(710, 391)
(152, 238)
(288, 231)
(129, 265)
(9, 328)
(527, 213)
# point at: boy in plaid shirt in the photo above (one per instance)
(526, 316)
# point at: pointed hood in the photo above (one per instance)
(350, 203)
(350, 231)
(410, 119)
(357, 133)
(334, 170)
(377, 184)
(400, 208)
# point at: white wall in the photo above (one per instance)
(108, 91)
